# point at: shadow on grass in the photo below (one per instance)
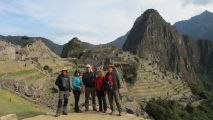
(29, 114)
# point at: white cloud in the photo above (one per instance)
(197, 2)
(96, 21)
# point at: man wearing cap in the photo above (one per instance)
(88, 79)
(112, 86)
(63, 83)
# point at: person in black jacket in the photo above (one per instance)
(88, 79)
(63, 83)
(112, 86)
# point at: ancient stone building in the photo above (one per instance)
(7, 51)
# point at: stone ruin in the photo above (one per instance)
(36, 49)
(7, 51)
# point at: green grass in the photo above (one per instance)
(21, 72)
(1, 74)
(71, 69)
(12, 104)
(35, 77)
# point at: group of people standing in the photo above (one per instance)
(91, 84)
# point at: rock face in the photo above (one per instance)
(200, 53)
(74, 49)
(154, 39)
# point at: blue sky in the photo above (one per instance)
(94, 21)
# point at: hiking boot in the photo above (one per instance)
(112, 113)
(121, 114)
(100, 110)
(86, 109)
(57, 115)
(94, 109)
(78, 111)
(64, 113)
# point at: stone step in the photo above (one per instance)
(163, 87)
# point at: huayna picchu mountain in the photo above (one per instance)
(152, 38)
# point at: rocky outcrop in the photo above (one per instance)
(9, 117)
(33, 93)
(200, 53)
(21, 88)
(74, 49)
(154, 39)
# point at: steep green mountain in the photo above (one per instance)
(153, 38)
(200, 54)
(24, 40)
(74, 48)
(199, 27)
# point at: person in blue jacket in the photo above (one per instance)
(77, 87)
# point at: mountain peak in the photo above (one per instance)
(150, 15)
(199, 26)
(150, 11)
(207, 12)
(153, 38)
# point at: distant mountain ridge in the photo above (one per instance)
(56, 48)
(199, 27)
(24, 40)
(119, 42)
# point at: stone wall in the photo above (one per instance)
(7, 52)
(13, 66)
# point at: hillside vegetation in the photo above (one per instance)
(11, 103)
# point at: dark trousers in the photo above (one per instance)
(114, 95)
(77, 94)
(101, 101)
(62, 102)
(89, 91)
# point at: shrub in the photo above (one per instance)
(130, 73)
(47, 68)
(172, 110)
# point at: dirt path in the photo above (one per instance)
(87, 116)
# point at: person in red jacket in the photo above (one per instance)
(99, 88)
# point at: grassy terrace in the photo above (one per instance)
(21, 72)
(71, 69)
(11, 104)
(35, 77)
